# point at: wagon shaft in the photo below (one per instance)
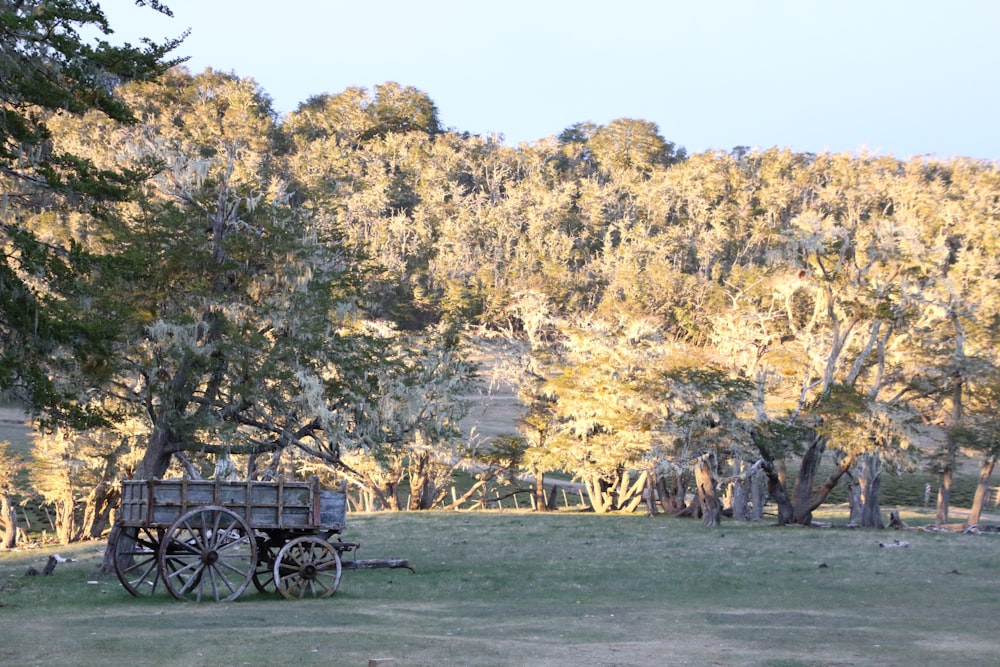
(392, 563)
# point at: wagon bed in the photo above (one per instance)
(264, 506)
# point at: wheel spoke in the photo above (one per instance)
(134, 552)
(231, 568)
(140, 571)
(208, 553)
(188, 576)
(213, 574)
(263, 577)
(307, 565)
(215, 534)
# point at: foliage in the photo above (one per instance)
(402, 424)
(48, 70)
(289, 291)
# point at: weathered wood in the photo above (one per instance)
(263, 505)
(391, 563)
(297, 518)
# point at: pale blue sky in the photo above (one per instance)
(899, 77)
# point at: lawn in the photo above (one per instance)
(512, 588)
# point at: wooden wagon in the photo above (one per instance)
(211, 539)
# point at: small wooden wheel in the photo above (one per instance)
(135, 555)
(307, 566)
(267, 552)
(208, 553)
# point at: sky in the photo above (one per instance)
(886, 77)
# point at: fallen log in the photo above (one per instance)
(374, 564)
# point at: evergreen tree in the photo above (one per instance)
(47, 69)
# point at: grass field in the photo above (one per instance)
(508, 588)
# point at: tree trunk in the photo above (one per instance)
(802, 492)
(944, 496)
(66, 525)
(871, 479)
(854, 498)
(388, 493)
(8, 519)
(661, 490)
(673, 500)
(633, 496)
(776, 489)
(758, 495)
(97, 511)
(704, 477)
(871, 516)
(740, 503)
(951, 446)
(599, 498)
(551, 504)
(542, 502)
(982, 491)
(159, 451)
(650, 495)
(803, 514)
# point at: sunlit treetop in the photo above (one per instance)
(48, 67)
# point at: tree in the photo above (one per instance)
(366, 162)
(948, 350)
(48, 69)
(621, 400)
(817, 328)
(629, 145)
(404, 426)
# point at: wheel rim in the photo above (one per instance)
(307, 567)
(208, 553)
(135, 557)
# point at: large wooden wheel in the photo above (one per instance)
(136, 551)
(307, 567)
(208, 553)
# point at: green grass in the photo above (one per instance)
(508, 588)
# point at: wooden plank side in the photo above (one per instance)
(264, 505)
(333, 510)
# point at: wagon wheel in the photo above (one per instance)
(209, 552)
(267, 552)
(307, 566)
(135, 556)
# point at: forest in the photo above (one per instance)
(191, 285)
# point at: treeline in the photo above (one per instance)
(306, 295)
